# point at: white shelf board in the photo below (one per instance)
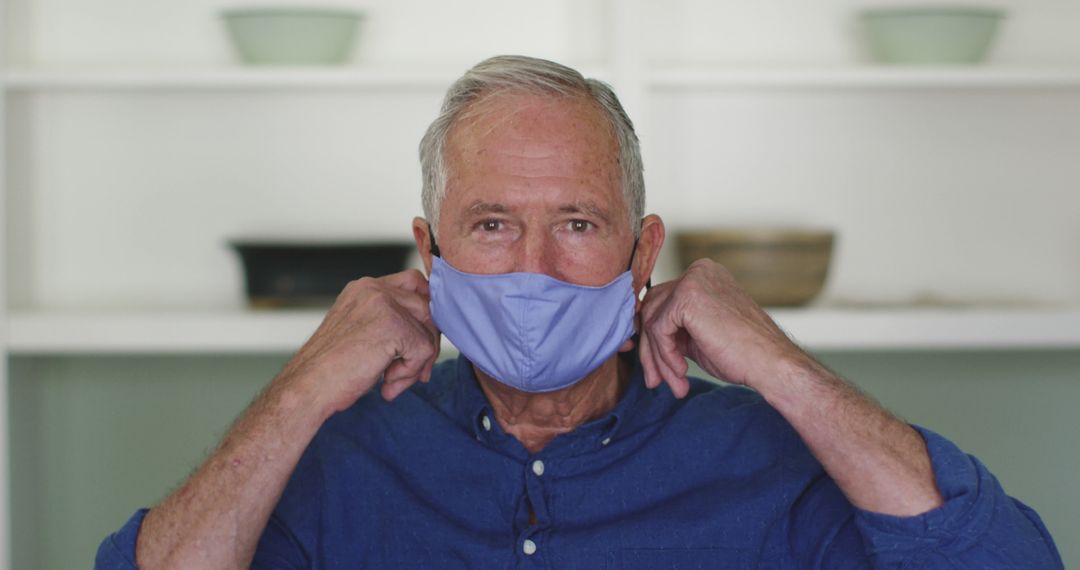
(276, 332)
(931, 329)
(236, 331)
(438, 78)
(703, 77)
(224, 332)
(31, 79)
(402, 78)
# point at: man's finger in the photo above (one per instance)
(409, 280)
(404, 369)
(680, 387)
(665, 349)
(658, 362)
(414, 303)
(436, 335)
(414, 353)
(425, 374)
(652, 377)
(398, 370)
(654, 301)
(391, 390)
(666, 372)
(668, 349)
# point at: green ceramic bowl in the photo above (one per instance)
(930, 35)
(292, 36)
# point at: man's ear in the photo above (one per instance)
(421, 233)
(649, 243)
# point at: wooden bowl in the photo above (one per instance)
(777, 267)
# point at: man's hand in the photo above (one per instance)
(880, 463)
(706, 316)
(377, 327)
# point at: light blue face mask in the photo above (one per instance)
(529, 330)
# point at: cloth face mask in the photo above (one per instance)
(529, 330)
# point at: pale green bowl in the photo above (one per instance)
(292, 36)
(930, 35)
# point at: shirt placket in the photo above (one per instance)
(531, 543)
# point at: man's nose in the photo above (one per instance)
(537, 254)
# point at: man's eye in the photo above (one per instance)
(491, 225)
(579, 225)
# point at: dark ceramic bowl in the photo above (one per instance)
(290, 274)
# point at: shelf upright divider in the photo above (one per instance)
(626, 60)
(5, 355)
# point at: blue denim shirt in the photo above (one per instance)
(716, 480)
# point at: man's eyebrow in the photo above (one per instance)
(478, 208)
(586, 207)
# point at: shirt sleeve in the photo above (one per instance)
(117, 551)
(978, 526)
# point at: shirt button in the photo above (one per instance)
(528, 547)
(606, 441)
(538, 467)
(486, 422)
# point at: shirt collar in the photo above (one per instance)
(632, 411)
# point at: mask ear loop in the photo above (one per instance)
(628, 356)
(630, 266)
(434, 246)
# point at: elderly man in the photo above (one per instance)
(568, 434)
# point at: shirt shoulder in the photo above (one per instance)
(434, 401)
(724, 396)
(710, 402)
(733, 418)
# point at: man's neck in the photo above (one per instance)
(535, 419)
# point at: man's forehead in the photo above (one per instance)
(554, 153)
(523, 114)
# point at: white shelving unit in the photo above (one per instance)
(58, 332)
(5, 455)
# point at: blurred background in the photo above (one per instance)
(140, 139)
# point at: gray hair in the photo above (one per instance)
(513, 72)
